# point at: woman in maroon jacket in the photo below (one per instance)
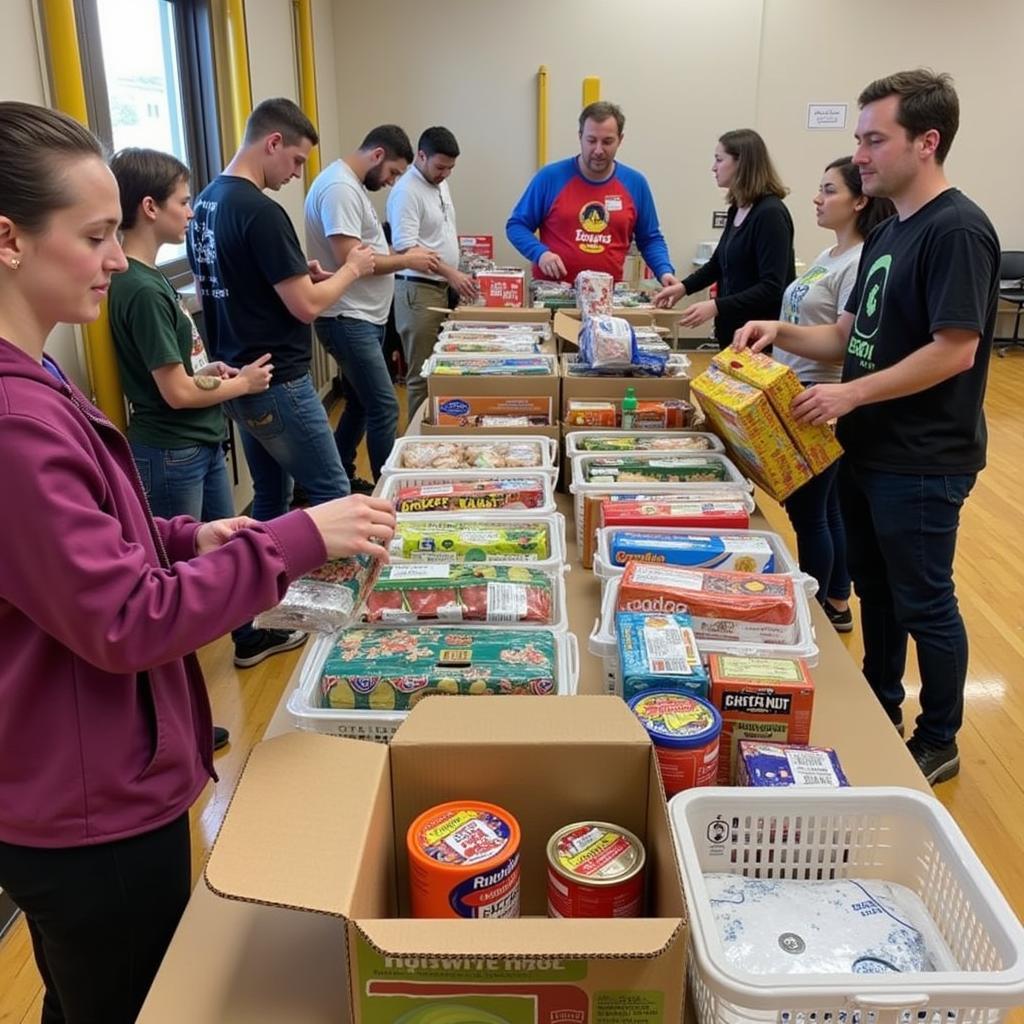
(105, 729)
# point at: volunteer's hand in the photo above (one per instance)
(465, 285)
(257, 374)
(755, 335)
(699, 313)
(423, 260)
(668, 296)
(356, 525)
(317, 272)
(217, 369)
(218, 532)
(823, 403)
(551, 265)
(361, 259)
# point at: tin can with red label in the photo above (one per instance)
(595, 869)
(464, 861)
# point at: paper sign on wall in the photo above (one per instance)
(826, 116)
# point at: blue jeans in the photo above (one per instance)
(901, 534)
(820, 535)
(189, 481)
(286, 437)
(371, 406)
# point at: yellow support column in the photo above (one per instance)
(542, 116)
(591, 90)
(307, 80)
(68, 95)
(234, 86)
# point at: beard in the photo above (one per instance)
(374, 180)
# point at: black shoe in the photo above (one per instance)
(221, 737)
(264, 643)
(938, 761)
(361, 486)
(896, 717)
(842, 621)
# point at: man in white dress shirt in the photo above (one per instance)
(421, 215)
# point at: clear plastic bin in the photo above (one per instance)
(380, 726)
(391, 484)
(899, 835)
(550, 362)
(546, 451)
(575, 438)
(603, 642)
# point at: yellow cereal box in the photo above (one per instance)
(743, 417)
(817, 444)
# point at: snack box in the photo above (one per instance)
(817, 444)
(661, 468)
(468, 491)
(728, 552)
(787, 764)
(584, 442)
(503, 286)
(591, 414)
(659, 652)
(670, 413)
(468, 451)
(760, 698)
(466, 410)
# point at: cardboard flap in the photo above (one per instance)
(567, 327)
(640, 938)
(295, 831)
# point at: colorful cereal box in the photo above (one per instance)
(786, 764)
(659, 652)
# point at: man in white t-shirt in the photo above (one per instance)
(340, 216)
(421, 213)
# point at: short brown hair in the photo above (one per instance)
(927, 101)
(279, 115)
(37, 144)
(601, 111)
(755, 175)
(141, 173)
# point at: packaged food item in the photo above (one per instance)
(765, 699)
(742, 606)
(472, 410)
(644, 443)
(464, 861)
(504, 421)
(670, 413)
(607, 342)
(729, 552)
(817, 444)
(754, 437)
(684, 730)
(460, 592)
(468, 344)
(439, 454)
(659, 652)
(542, 328)
(448, 542)
(594, 291)
(470, 495)
(595, 869)
(670, 510)
(393, 669)
(502, 286)
(786, 764)
(591, 414)
(661, 468)
(489, 366)
(629, 404)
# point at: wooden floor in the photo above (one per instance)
(987, 798)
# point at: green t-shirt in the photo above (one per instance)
(151, 329)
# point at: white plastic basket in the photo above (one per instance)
(784, 562)
(546, 448)
(380, 726)
(573, 440)
(549, 361)
(899, 835)
(604, 643)
(391, 484)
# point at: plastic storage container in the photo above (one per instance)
(380, 726)
(550, 364)
(574, 438)
(899, 835)
(546, 451)
(392, 484)
(603, 642)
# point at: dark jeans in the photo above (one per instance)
(100, 918)
(901, 536)
(371, 406)
(189, 481)
(820, 535)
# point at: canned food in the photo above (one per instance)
(464, 861)
(595, 870)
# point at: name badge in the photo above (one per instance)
(613, 203)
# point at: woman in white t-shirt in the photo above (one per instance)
(819, 296)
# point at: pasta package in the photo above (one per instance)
(393, 669)
(663, 469)
(523, 454)
(447, 542)
(460, 592)
(470, 496)
(747, 607)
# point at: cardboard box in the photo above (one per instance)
(463, 409)
(454, 430)
(817, 444)
(613, 389)
(743, 418)
(509, 314)
(504, 286)
(340, 851)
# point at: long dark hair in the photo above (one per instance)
(877, 209)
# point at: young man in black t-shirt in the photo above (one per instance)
(915, 342)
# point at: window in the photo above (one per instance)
(149, 82)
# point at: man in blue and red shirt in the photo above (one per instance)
(589, 208)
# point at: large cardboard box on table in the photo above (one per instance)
(318, 824)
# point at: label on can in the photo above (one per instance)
(464, 837)
(595, 870)
(595, 852)
(492, 894)
(674, 715)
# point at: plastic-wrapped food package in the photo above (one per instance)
(523, 454)
(736, 552)
(476, 542)
(594, 291)
(487, 366)
(470, 495)
(467, 343)
(846, 926)
(644, 443)
(607, 342)
(659, 652)
(663, 469)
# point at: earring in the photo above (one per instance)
(15, 263)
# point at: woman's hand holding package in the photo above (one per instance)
(356, 525)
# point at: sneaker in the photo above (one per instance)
(938, 761)
(842, 621)
(265, 642)
(361, 486)
(221, 737)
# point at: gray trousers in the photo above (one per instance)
(418, 325)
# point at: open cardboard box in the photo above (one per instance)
(497, 314)
(454, 430)
(502, 389)
(318, 824)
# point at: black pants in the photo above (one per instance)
(101, 918)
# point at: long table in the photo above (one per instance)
(239, 963)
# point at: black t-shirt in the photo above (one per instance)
(240, 244)
(937, 269)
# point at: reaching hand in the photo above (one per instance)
(699, 313)
(356, 525)
(755, 335)
(218, 532)
(668, 296)
(257, 374)
(552, 266)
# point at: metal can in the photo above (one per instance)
(595, 869)
(464, 861)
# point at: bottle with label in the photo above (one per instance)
(629, 409)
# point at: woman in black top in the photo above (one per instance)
(753, 261)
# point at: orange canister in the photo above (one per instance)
(595, 869)
(464, 861)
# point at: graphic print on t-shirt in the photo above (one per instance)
(594, 220)
(869, 313)
(796, 294)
